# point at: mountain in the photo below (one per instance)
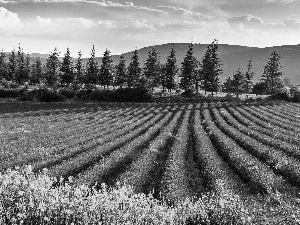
(232, 56)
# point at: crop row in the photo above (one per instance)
(81, 161)
(217, 174)
(263, 135)
(277, 160)
(260, 177)
(118, 160)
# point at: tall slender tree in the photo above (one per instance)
(20, 70)
(170, 71)
(27, 67)
(272, 76)
(249, 78)
(188, 69)
(134, 71)
(52, 68)
(211, 68)
(92, 69)
(79, 69)
(152, 69)
(120, 72)
(12, 66)
(238, 82)
(3, 65)
(67, 69)
(36, 73)
(106, 70)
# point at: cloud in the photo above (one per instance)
(43, 20)
(252, 22)
(181, 11)
(9, 19)
(248, 21)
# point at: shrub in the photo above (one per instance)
(280, 96)
(189, 93)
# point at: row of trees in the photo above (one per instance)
(20, 68)
(194, 75)
(270, 83)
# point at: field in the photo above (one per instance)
(174, 151)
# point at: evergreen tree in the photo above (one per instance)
(52, 68)
(3, 65)
(272, 76)
(120, 78)
(211, 68)
(12, 66)
(27, 67)
(36, 72)
(67, 69)
(259, 88)
(248, 78)
(106, 70)
(227, 86)
(188, 70)
(170, 71)
(134, 71)
(238, 82)
(79, 69)
(20, 70)
(152, 69)
(92, 69)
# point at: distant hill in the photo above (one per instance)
(232, 56)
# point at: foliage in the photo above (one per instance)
(28, 198)
(67, 70)
(272, 76)
(3, 65)
(12, 66)
(92, 69)
(170, 71)
(238, 82)
(152, 69)
(106, 70)
(259, 88)
(36, 73)
(248, 78)
(79, 70)
(211, 68)
(52, 68)
(134, 71)
(120, 73)
(188, 69)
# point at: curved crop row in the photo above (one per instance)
(260, 177)
(263, 127)
(217, 175)
(72, 152)
(259, 134)
(140, 173)
(123, 156)
(175, 182)
(272, 120)
(82, 161)
(279, 161)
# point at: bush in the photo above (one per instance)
(189, 93)
(9, 93)
(280, 96)
(132, 95)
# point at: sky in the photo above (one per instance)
(121, 26)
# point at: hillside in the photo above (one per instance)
(232, 56)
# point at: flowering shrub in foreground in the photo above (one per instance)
(27, 198)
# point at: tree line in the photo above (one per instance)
(18, 68)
